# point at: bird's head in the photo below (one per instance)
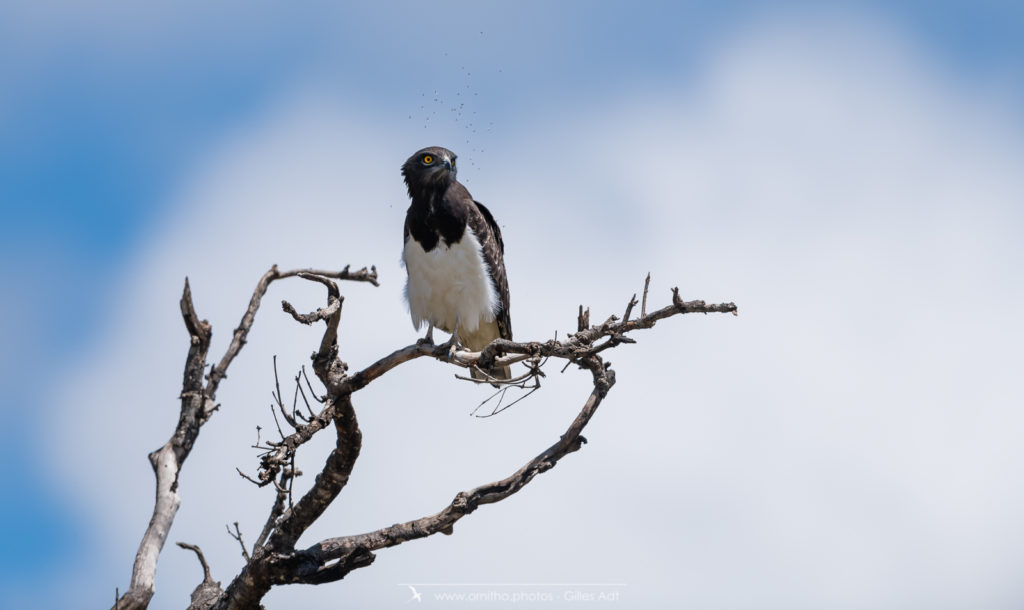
(429, 168)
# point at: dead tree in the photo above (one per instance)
(274, 558)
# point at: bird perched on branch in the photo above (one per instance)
(453, 257)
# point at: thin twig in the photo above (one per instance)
(237, 535)
(273, 412)
(310, 386)
(277, 383)
(247, 477)
(513, 403)
(291, 482)
(300, 392)
(643, 306)
(280, 403)
(500, 391)
(499, 408)
(295, 402)
(275, 513)
(534, 372)
(491, 380)
(202, 560)
(629, 308)
(272, 462)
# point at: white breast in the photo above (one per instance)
(449, 283)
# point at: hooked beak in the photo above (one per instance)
(450, 166)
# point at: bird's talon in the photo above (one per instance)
(451, 346)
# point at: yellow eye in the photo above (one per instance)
(428, 159)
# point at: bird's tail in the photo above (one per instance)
(499, 372)
(476, 341)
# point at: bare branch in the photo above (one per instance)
(237, 535)
(272, 462)
(167, 460)
(273, 412)
(697, 306)
(248, 478)
(197, 405)
(629, 308)
(352, 276)
(580, 347)
(308, 318)
(276, 393)
(310, 386)
(295, 401)
(534, 371)
(395, 358)
(261, 573)
(284, 492)
(208, 591)
(581, 343)
(499, 407)
(577, 346)
(518, 381)
(647, 284)
(218, 372)
(292, 473)
(583, 320)
(327, 367)
(358, 558)
(274, 559)
(275, 512)
(202, 559)
(467, 502)
(329, 482)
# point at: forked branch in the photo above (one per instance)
(278, 562)
(468, 501)
(274, 559)
(198, 403)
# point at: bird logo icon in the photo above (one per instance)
(415, 594)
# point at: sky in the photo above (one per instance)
(849, 175)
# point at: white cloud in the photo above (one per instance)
(848, 441)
